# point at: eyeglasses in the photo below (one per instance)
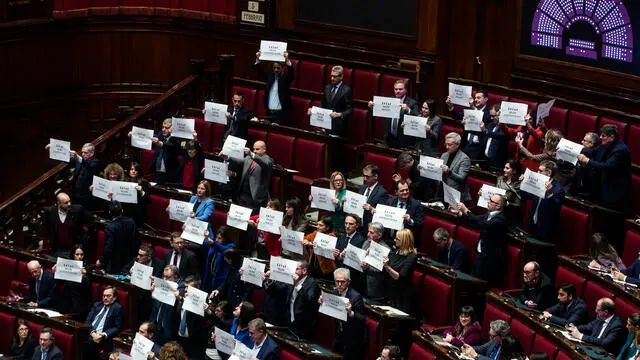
(340, 281)
(450, 144)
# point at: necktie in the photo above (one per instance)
(253, 164)
(44, 354)
(175, 258)
(366, 193)
(333, 92)
(159, 317)
(602, 329)
(98, 319)
(495, 352)
(294, 295)
(535, 214)
(183, 323)
(403, 205)
(394, 126)
(233, 119)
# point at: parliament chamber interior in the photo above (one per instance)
(229, 176)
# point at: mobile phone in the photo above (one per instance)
(519, 135)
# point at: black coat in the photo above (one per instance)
(169, 152)
(377, 196)
(121, 244)
(489, 264)
(46, 296)
(305, 306)
(457, 256)
(543, 293)
(53, 354)
(350, 336)
(548, 213)
(613, 337)
(612, 166)
(342, 103)
(240, 122)
(284, 87)
(563, 314)
(414, 209)
(78, 218)
(188, 263)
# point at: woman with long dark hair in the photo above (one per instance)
(466, 331)
(22, 343)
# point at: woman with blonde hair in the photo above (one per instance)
(399, 266)
(566, 170)
(337, 182)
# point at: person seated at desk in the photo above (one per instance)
(537, 289)
(630, 349)
(47, 349)
(603, 255)
(466, 331)
(148, 330)
(321, 267)
(22, 343)
(145, 257)
(105, 318)
(452, 252)
(75, 298)
(501, 346)
(569, 309)
(607, 330)
(41, 286)
(264, 347)
(629, 275)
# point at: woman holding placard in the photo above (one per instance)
(75, 298)
(321, 267)
(294, 219)
(216, 269)
(138, 212)
(399, 265)
(552, 138)
(244, 313)
(337, 183)
(270, 245)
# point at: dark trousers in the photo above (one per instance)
(277, 116)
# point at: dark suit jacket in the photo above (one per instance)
(80, 185)
(166, 318)
(493, 243)
(377, 196)
(342, 103)
(169, 151)
(499, 146)
(195, 324)
(284, 87)
(457, 256)
(575, 314)
(356, 240)
(121, 244)
(612, 166)
(53, 354)
(414, 209)
(485, 350)
(113, 321)
(77, 217)
(548, 213)
(269, 350)
(419, 185)
(352, 334)
(188, 263)
(543, 293)
(401, 140)
(259, 177)
(613, 337)
(47, 290)
(475, 150)
(632, 273)
(305, 307)
(241, 129)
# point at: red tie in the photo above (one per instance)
(253, 164)
(333, 93)
(175, 259)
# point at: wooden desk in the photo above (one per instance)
(441, 352)
(304, 349)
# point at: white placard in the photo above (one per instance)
(430, 167)
(140, 347)
(534, 184)
(163, 291)
(238, 217)
(224, 341)
(141, 138)
(292, 241)
(386, 107)
(233, 147)
(215, 113)
(415, 126)
(252, 272)
(272, 50)
(194, 300)
(241, 352)
(70, 270)
(390, 217)
(460, 94)
(376, 255)
(451, 195)
(513, 113)
(543, 110)
(141, 275)
(568, 151)
(334, 306)
(281, 269)
(101, 188)
(321, 117)
(352, 257)
(125, 191)
(216, 171)
(182, 128)
(270, 220)
(472, 119)
(486, 192)
(59, 150)
(194, 230)
(180, 210)
(321, 198)
(122, 356)
(353, 203)
(323, 245)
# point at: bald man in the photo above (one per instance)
(607, 330)
(64, 225)
(253, 191)
(538, 292)
(41, 286)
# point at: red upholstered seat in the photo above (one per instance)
(387, 82)
(387, 165)
(512, 273)
(298, 115)
(311, 76)
(532, 105)
(7, 322)
(631, 247)
(280, 148)
(592, 293)
(287, 355)
(496, 98)
(64, 341)
(357, 134)
(374, 340)
(566, 276)
(436, 301)
(250, 96)
(8, 270)
(218, 219)
(378, 128)
(557, 119)
(575, 227)
(474, 186)
(579, 124)
(275, 188)
(35, 328)
(563, 356)
(313, 163)
(296, 64)
(418, 352)
(325, 330)
(635, 183)
(622, 125)
(366, 84)
(443, 132)
(256, 298)
(544, 345)
(217, 132)
(145, 162)
(205, 131)
(260, 112)
(157, 215)
(159, 251)
(634, 146)
(625, 308)
(257, 134)
(469, 237)
(416, 281)
(22, 273)
(523, 334)
(427, 245)
(492, 313)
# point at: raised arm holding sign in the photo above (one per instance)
(270, 220)
(252, 272)
(430, 167)
(238, 217)
(141, 138)
(415, 126)
(321, 117)
(194, 230)
(233, 147)
(322, 198)
(513, 113)
(272, 50)
(179, 210)
(354, 203)
(460, 94)
(534, 183)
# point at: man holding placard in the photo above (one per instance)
(455, 168)
(86, 166)
(238, 118)
(496, 142)
(373, 191)
(264, 347)
(338, 97)
(277, 101)
(254, 185)
(393, 135)
(351, 236)
(423, 189)
(163, 313)
(184, 259)
(191, 326)
(473, 141)
(375, 288)
(413, 218)
(544, 218)
(120, 241)
(164, 165)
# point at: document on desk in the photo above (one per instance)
(270, 220)
(430, 167)
(238, 217)
(334, 306)
(195, 300)
(376, 255)
(486, 192)
(391, 310)
(386, 107)
(353, 203)
(451, 195)
(534, 184)
(292, 240)
(141, 346)
(323, 245)
(59, 150)
(568, 151)
(460, 94)
(322, 198)
(513, 113)
(472, 119)
(49, 313)
(70, 270)
(216, 171)
(389, 216)
(194, 230)
(224, 341)
(415, 126)
(101, 188)
(163, 291)
(252, 272)
(233, 147)
(125, 192)
(281, 269)
(272, 50)
(215, 112)
(141, 275)
(141, 138)
(567, 335)
(182, 127)
(180, 210)
(353, 256)
(321, 117)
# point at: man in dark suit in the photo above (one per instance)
(64, 225)
(351, 236)
(492, 244)
(277, 101)
(452, 252)
(85, 167)
(165, 316)
(339, 98)
(120, 241)
(544, 218)
(607, 330)
(184, 259)
(569, 309)
(47, 350)
(105, 318)
(164, 165)
(455, 167)
(238, 118)
(423, 190)
(373, 191)
(41, 286)
(264, 347)
(413, 218)
(375, 286)
(496, 146)
(148, 330)
(192, 334)
(145, 257)
(498, 330)
(537, 289)
(473, 141)
(253, 191)
(393, 134)
(350, 336)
